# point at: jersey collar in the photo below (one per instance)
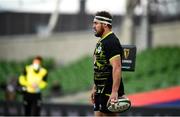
(106, 35)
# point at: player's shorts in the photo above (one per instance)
(100, 103)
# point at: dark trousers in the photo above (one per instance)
(32, 104)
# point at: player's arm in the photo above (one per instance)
(22, 78)
(93, 93)
(115, 61)
(43, 83)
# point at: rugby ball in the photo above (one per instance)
(121, 105)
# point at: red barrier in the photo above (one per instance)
(154, 97)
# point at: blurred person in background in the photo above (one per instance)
(11, 89)
(33, 80)
(55, 89)
(108, 84)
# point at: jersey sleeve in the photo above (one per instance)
(112, 48)
(22, 78)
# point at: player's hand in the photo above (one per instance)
(113, 97)
(34, 85)
(92, 96)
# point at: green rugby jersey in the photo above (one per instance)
(105, 49)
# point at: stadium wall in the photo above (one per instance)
(166, 34)
(64, 47)
(67, 47)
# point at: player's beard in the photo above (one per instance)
(100, 32)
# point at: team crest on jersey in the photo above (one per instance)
(99, 49)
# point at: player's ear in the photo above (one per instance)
(105, 25)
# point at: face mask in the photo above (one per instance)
(36, 66)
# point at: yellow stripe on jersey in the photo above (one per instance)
(107, 34)
(118, 55)
(107, 94)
